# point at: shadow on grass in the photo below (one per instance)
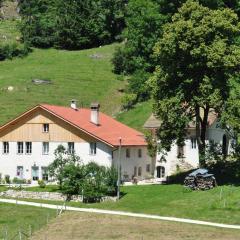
(179, 177)
(225, 172)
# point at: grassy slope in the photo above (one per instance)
(13, 217)
(8, 31)
(75, 225)
(137, 116)
(75, 75)
(217, 205)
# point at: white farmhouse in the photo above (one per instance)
(28, 142)
(186, 157)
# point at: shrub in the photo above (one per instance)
(129, 100)
(41, 184)
(91, 180)
(11, 50)
(119, 59)
(18, 180)
(7, 179)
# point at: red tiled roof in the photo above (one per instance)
(109, 130)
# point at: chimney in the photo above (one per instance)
(95, 113)
(74, 104)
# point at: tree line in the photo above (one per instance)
(71, 24)
(145, 21)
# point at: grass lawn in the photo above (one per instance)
(83, 75)
(137, 116)
(3, 188)
(14, 217)
(221, 204)
(8, 31)
(48, 188)
(74, 226)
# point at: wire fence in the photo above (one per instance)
(23, 232)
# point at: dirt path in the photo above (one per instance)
(74, 226)
(122, 213)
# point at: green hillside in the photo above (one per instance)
(83, 75)
(8, 31)
(137, 116)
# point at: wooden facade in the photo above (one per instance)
(30, 128)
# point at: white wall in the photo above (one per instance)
(170, 159)
(9, 162)
(214, 132)
(128, 164)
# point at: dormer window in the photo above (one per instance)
(45, 127)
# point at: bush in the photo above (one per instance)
(18, 181)
(129, 100)
(91, 180)
(41, 184)
(119, 59)
(7, 179)
(11, 50)
(29, 181)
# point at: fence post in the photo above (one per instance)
(30, 232)
(20, 234)
(47, 218)
(221, 193)
(6, 233)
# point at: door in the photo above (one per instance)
(160, 172)
(35, 173)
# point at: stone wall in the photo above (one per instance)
(54, 196)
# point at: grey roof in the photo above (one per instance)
(152, 122)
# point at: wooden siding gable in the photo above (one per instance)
(29, 127)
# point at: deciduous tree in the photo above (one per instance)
(62, 159)
(197, 59)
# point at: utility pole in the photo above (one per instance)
(119, 168)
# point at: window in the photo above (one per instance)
(139, 153)
(148, 166)
(193, 143)
(44, 174)
(139, 171)
(180, 151)
(135, 171)
(20, 171)
(128, 153)
(45, 127)
(224, 145)
(28, 147)
(160, 172)
(5, 147)
(45, 148)
(71, 147)
(20, 147)
(93, 148)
